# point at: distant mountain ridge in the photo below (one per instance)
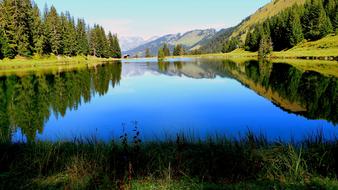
(128, 43)
(189, 40)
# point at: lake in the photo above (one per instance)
(197, 97)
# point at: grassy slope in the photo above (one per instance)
(327, 46)
(191, 39)
(265, 12)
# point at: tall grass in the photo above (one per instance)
(178, 163)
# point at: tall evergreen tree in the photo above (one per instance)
(316, 23)
(82, 38)
(69, 35)
(330, 8)
(147, 54)
(37, 31)
(166, 50)
(178, 50)
(160, 54)
(335, 21)
(294, 29)
(1, 43)
(114, 45)
(53, 31)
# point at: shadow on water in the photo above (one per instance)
(27, 102)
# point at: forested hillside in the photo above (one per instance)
(282, 27)
(25, 31)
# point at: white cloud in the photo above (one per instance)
(123, 27)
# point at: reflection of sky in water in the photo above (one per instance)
(166, 105)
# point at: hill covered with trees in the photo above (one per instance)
(283, 27)
(26, 31)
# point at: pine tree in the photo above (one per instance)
(178, 50)
(161, 55)
(116, 47)
(253, 39)
(69, 41)
(9, 45)
(37, 31)
(24, 33)
(316, 24)
(53, 31)
(1, 43)
(335, 21)
(166, 50)
(93, 41)
(265, 46)
(294, 29)
(231, 45)
(16, 18)
(330, 8)
(147, 54)
(81, 38)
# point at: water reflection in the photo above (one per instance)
(27, 102)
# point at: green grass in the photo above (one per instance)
(24, 65)
(321, 49)
(327, 46)
(251, 162)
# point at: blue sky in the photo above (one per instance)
(148, 18)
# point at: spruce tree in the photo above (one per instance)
(1, 43)
(166, 50)
(116, 47)
(37, 31)
(265, 47)
(8, 15)
(69, 41)
(24, 33)
(294, 29)
(316, 23)
(161, 55)
(335, 21)
(93, 41)
(53, 31)
(330, 8)
(147, 54)
(82, 38)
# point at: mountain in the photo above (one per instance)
(189, 40)
(216, 43)
(128, 43)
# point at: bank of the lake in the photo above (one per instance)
(251, 162)
(49, 63)
(323, 49)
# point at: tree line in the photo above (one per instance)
(312, 21)
(165, 51)
(25, 31)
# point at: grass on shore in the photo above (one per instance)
(323, 48)
(24, 65)
(216, 163)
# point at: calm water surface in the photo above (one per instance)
(197, 97)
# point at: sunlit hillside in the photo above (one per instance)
(265, 12)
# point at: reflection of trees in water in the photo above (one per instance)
(308, 93)
(316, 92)
(27, 102)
